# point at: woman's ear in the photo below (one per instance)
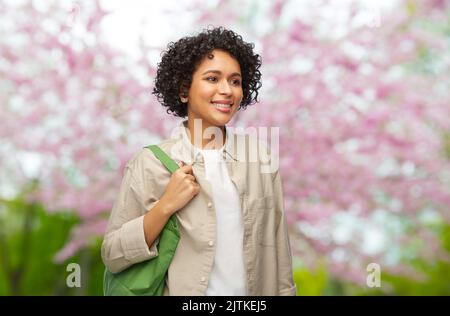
(184, 94)
(184, 97)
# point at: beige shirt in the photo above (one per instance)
(266, 248)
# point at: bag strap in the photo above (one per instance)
(172, 166)
(168, 162)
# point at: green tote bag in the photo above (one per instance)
(148, 277)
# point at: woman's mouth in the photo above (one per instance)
(224, 108)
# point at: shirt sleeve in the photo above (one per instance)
(124, 241)
(286, 285)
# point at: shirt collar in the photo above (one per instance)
(187, 152)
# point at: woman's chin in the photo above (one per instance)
(222, 117)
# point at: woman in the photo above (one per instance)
(230, 215)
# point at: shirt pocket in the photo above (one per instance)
(265, 220)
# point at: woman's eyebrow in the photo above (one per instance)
(219, 72)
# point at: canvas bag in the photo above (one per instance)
(148, 277)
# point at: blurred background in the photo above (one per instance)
(359, 89)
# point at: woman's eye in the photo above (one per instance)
(236, 82)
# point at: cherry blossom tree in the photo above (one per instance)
(360, 96)
(71, 109)
(362, 131)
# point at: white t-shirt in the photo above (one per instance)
(228, 272)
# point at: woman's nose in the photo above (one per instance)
(224, 87)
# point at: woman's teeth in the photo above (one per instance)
(223, 106)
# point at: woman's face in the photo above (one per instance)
(216, 90)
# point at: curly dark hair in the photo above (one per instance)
(180, 60)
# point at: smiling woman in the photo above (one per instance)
(209, 77)
(216, 91)
(230, 214)
(181, 61)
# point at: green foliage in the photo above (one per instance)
(446, 144)
(310, 282)
(437, 274)
(435, 281)
(29, 239)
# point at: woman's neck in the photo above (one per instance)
(206, 136)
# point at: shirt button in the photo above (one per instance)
(209, 204)
(211, 243)
(202, 279)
